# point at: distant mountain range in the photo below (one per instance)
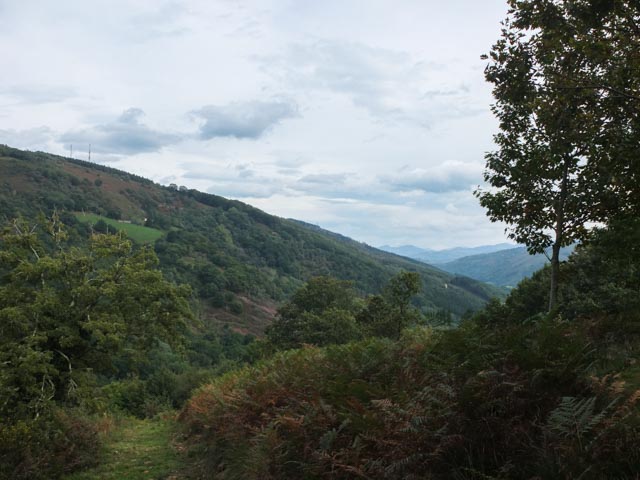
(434, 257)
(502, 265)
(505, 268)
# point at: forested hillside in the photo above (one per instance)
(124, 306)
(505, 268)
(544, 385)
(434, 257)
(239, 260)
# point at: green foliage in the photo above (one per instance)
(322, 312)
(386, 315)
(327, 311)
(463, 403)
(226, 250)
(48, 446)
(67, 312)
(567, 102)
(511, 393)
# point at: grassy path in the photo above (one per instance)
(137, 450)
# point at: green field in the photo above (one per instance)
(137, 233)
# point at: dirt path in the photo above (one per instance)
(137, 450)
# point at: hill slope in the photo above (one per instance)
(505, 268)
(239, 260)
(434, 257)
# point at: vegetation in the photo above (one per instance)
(137, 450)
(510, 393)
(68, 317)
(542, 385)
(363, 373)
(505, 268)
(566, 89)
(137, 233)
(327, 311)
(239, 261)
(322, 312)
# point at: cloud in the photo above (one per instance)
(324, 179)
(37, 94)
(205, 171)
(32, 139)
(388, 84)
(124, 136)
(235, 181)
(446, 177)
(243, 119)
(166, 20)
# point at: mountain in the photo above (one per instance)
(433, 257)
(505, 268)
(240, 261)
(410, 251)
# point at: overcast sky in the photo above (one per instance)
(369, 118)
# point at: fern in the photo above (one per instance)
(576, 417)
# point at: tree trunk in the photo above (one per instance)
(555, 273)
(557, 244)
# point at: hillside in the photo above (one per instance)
(240, 261)
(505, 268)
(434, 257)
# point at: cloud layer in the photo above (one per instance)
(250, 119)
(364, 117)
(126, 135)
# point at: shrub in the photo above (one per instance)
(54, 444)
(470, 402)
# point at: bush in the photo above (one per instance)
(470, 402)
(54, 444)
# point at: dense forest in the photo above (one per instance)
(122, 299)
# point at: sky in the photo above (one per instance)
(369, 118)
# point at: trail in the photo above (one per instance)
(138, 450)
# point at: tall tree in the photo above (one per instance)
(387, 314)
(66, 312)
(321, 312)
(562, 93)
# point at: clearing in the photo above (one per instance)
(137, 233)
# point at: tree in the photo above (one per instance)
(387, 314)
(67, 312)
(322, 312)
(563, 84)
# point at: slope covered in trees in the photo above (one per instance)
(239, 260)
(505, 268)
(435, 257)
(544, 385)
(510, 393)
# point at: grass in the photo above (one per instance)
(137, 233)
(137, 450)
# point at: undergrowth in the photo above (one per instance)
(525, 401)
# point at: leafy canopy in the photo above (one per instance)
(67, 313)
(567, 90)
